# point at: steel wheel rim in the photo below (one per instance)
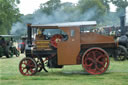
(27, 67)
(95, 61)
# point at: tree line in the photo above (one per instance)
(9, 14)
(54, 11)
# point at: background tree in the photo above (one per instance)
(9, 14)
(96, 8)
(53, 11)
(106, 4)
(50, 6)
(121, 6)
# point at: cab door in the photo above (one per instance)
(69, 50)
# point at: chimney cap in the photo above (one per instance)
(29, 24)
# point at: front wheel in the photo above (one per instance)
(95, 61)
(121, 53)
(9, 54)
(27, 66)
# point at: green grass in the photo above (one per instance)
(117, 74)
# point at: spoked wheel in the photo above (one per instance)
(55, 40)
(39, 64)
(27, 66)
(9, 54)
(121, 53)
(95, 61)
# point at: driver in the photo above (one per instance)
(40, 34)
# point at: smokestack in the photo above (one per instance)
(29, 38)
(122, 25)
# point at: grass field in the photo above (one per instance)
(117, 74)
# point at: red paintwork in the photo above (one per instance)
(95, 61)
(54, 41)
(23, 67)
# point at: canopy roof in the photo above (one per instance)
(7, 35)
(67, 24)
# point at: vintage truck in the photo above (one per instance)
(66, 44)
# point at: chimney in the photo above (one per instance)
(122, 25)
(29, 37)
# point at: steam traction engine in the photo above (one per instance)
(69, 46)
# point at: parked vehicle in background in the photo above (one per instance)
(21, 45)
(121, 36)
(7, 47)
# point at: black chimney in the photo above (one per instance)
(29, 38)
(122, 25)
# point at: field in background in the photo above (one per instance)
(117, 74)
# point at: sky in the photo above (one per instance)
(29, 6)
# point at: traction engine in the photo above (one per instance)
(70, 46)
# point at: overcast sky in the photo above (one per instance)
(29, 6)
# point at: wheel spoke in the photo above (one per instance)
(25, 63)
(28, 62)
(90, 65)
(101, 63)
(26, 71)
(23, 68)
(94, 54)
(99, 57)
(32, 71)
(32, 65)
(98, 69)
(90, 59)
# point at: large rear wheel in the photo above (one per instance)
(27, 66)
(95, 61)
